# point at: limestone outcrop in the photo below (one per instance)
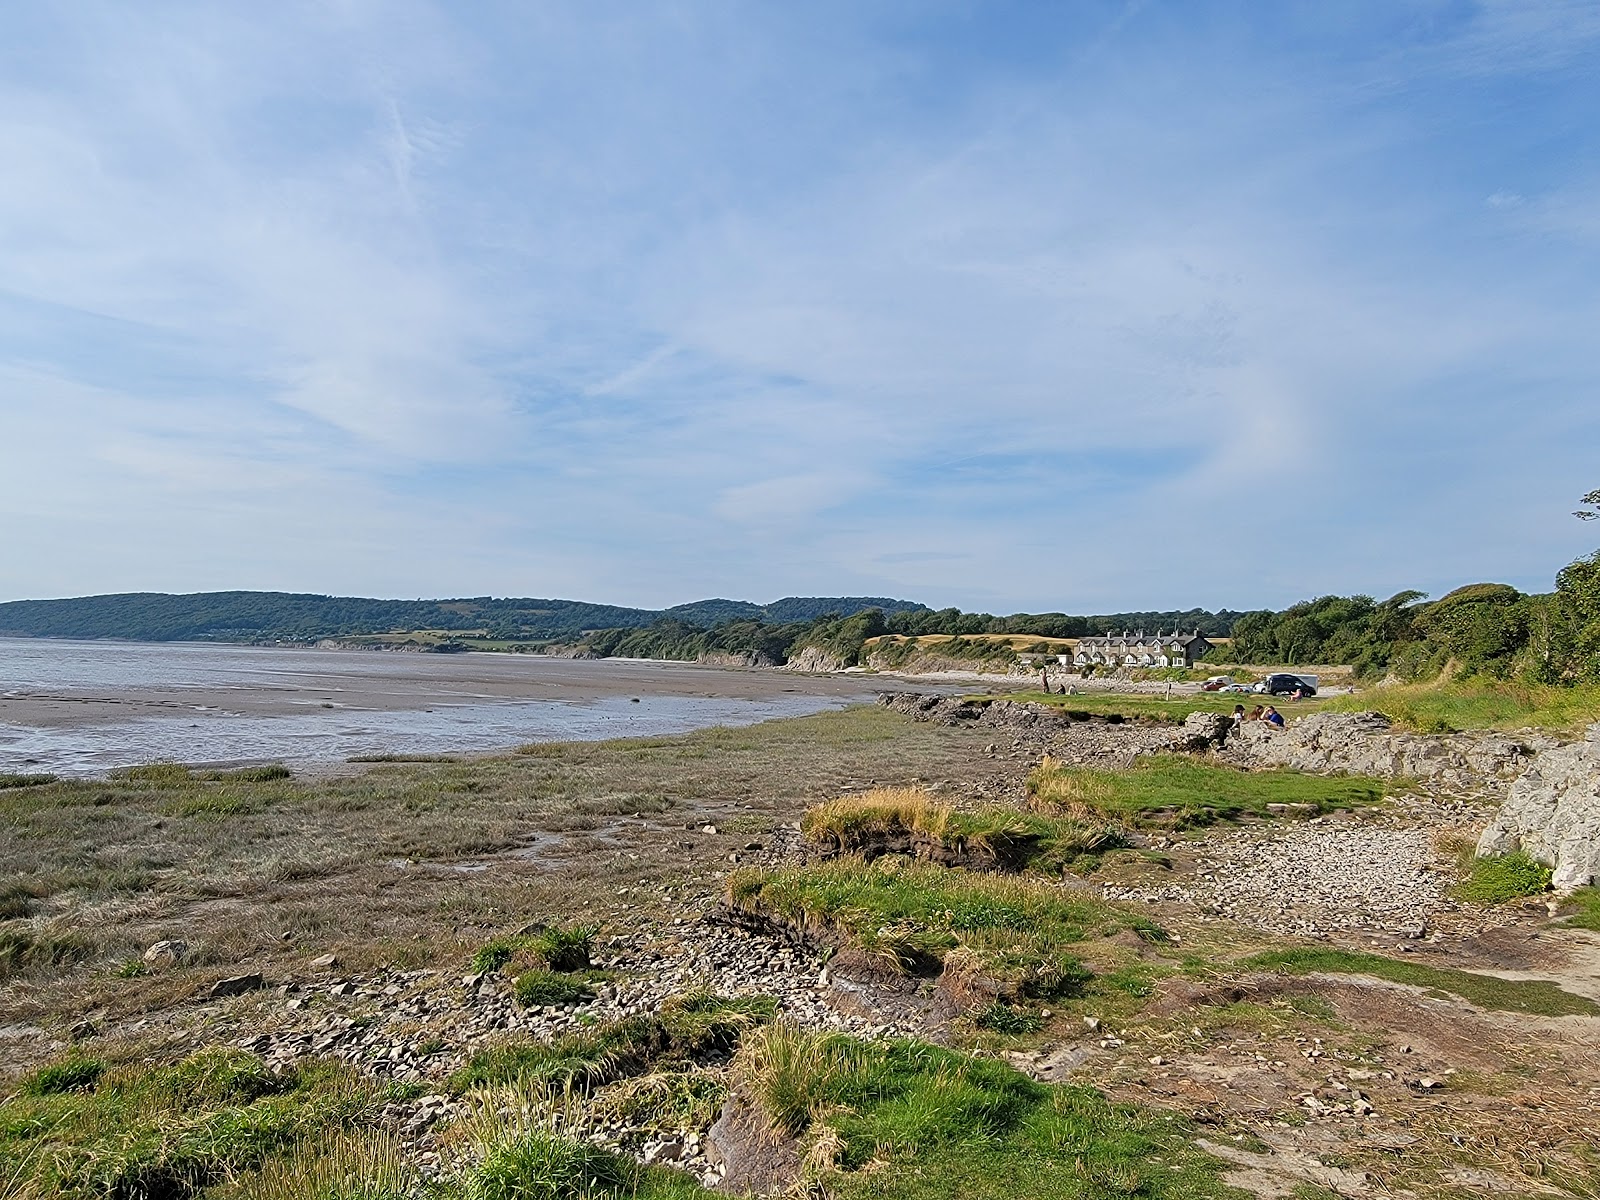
(1553, 813)
(1363, 743)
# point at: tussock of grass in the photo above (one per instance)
(876, 811)
(162, 774)
(1174, 790)
(1447, 705)
(558, 948)
(854, 824)
(71, 1074)
(1498, 878)
(171, 1131)
(907, 1119)
(540, 1165)
(541, 987)
(1013, 931)
(264, 774)
(29, 949)
(685, 1027)
(1534, 996)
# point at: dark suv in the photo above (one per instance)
(1286, 685)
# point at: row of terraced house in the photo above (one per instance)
(1140, 650)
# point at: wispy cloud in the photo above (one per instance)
(663, 302)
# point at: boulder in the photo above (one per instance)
(169, 952)
(236, 985)
(1553, 813)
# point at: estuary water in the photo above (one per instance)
(82, 708)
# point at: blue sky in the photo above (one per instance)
(1015, 306)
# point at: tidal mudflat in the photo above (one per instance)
(81, 708)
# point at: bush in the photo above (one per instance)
(1498, 878)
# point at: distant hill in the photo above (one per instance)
(289, 616)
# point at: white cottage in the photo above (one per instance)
(1141, 650)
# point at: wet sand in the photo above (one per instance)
(84, 707)
(284, 682)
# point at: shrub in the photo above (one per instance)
(1496, 879)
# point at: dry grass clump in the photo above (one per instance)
(881, 810)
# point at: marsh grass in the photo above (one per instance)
(1537, 997)
(1177, 791)
(1016, 933)
(10, 779)
(906, 1119)
(363, 864)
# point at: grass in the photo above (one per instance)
(9, 779)
(556, 948)
(1174, 790)
(1536, 997)
(684, 1028)
(904, 1119)
(1586, 903)
(545, 1166)
(1499, 878)
(864, 822)
(541, 987)
(1013, 936)
(1449, 705)
(80, 1128)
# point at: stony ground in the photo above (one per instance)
(1349, 1085)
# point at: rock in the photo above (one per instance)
(235, 985)
(1364, 743)
(1553, 814)
(325, 961)
(169, 953)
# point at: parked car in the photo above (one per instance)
(1236, 687)
(1287, 685)
(1216, 683)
